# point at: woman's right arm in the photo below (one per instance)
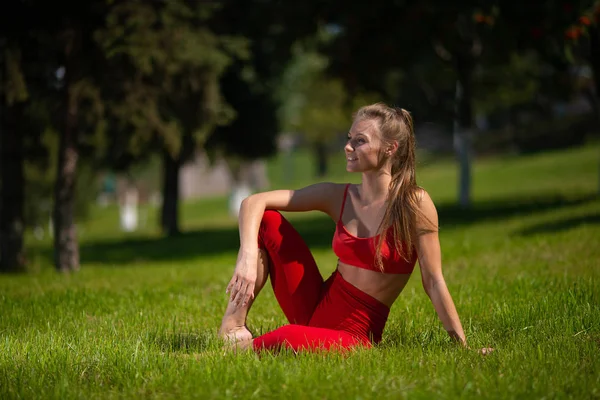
(318, 197)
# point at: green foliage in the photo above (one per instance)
(13, 86)
(251, 85)
(520, 83)
(36, 58)
(292, 92)
(39, 177)
(40, 173)
(324, 115)
(313, 103)
(252, 132)
(407, 51)
(173, 62)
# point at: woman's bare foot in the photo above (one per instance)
(235, 334)
(236, 339)
(239, 346)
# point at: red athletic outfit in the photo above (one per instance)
(322, 314)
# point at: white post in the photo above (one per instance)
(239, 192)
(128, 210)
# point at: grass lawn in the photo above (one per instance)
(139, 320)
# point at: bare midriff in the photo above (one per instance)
(384, 287)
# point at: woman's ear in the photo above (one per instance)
(392, 148)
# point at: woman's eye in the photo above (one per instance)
(356, 141)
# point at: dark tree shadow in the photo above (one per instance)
(316, 230)
(452, 215)
(185, 246)
(561, 225)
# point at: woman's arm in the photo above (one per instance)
(430, 262)
(318, 197)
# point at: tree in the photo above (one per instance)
(324, 117)
(171, 96)
(253, 86)
(251, 133)
(80, 62)
(65, 237)
(591, 21)
(587, 28)
(391, 37)
(594, 57)
(468, 35)
(13, 95)
(463, 47)
(26, 78)
(312, 103)
(564, 34)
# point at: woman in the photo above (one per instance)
(384, 224)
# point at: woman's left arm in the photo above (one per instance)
(430, 262)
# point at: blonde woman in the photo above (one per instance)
(383, 226)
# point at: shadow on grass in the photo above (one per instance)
(561, 225)
(316, 231)
(452, 215)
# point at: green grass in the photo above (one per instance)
(139, 320)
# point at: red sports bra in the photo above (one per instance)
(360, 252)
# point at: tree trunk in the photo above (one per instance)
(463, 125)
(170, 204)
(320, 153)
(12, 195)
(66, 247)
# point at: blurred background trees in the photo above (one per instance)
(105, 89)
(312, 103)
(167, 63)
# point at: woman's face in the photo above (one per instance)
(363, 148)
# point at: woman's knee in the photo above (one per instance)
(269, 227)
(271, 218)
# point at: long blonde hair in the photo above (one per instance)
(396, 125)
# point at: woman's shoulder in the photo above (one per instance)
(427, 210)
(329, 187)
(324, 196)
(423, 196)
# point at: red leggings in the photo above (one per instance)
(322, 315)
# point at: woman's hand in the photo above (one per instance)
(241, 286)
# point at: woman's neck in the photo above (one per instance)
(375, 186)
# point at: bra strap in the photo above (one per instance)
(344, 202)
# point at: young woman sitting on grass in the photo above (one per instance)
(384, 224)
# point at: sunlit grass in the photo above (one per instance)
(139, 320)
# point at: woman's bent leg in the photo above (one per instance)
(300, 337)
(295, 277)
(296, 280)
